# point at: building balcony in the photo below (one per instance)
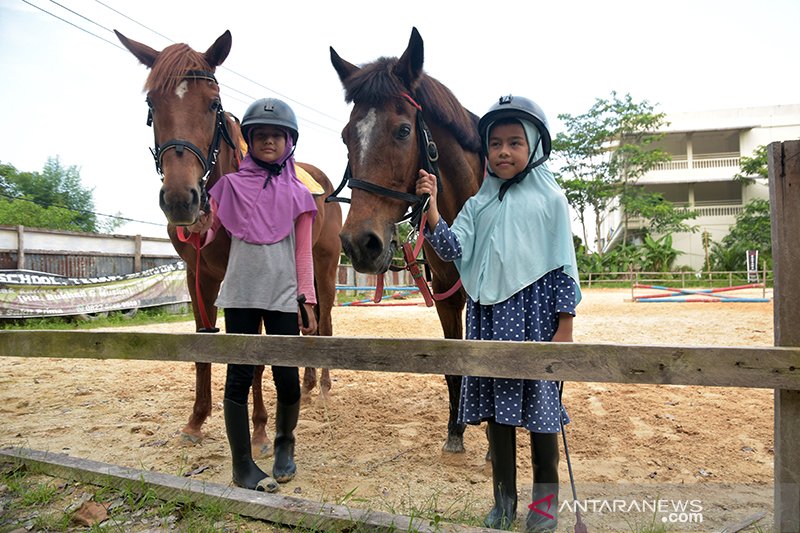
(698, 168)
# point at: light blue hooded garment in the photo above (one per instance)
(508, 245)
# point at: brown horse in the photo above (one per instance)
(196, 143)
(397, 110)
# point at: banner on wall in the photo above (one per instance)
(27, 293)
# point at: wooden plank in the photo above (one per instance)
(784, 194)
(767, 367)
(744, 523)
(276, 508)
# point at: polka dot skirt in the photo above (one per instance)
(529, 315)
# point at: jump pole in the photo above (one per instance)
(711, 295)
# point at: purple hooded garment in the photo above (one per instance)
(258, 209)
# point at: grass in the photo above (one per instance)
(155, 315)
(32, 500)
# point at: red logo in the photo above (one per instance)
(549, 500)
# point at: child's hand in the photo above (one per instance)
(311, 329)
(202, 224)
(426, 184)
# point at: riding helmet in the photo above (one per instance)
(517, 107)
(272, 112)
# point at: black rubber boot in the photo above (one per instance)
(503, 444)
(284, 467)
(544, 456)
(246, 473)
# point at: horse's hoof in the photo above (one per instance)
(263, 449)
(325, 395)
(454, 444)
(191, 438)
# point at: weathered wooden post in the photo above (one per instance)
(784, 195)
(20, 247)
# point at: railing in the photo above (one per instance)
(683, 279)
(701, 161)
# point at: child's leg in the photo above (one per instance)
(503, 444)
(287, 408)
(246, 472)
(543, 516)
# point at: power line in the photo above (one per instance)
(234, 72)
(74, 25)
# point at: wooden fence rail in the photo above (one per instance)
(768, 367)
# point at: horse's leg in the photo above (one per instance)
(201, 410)
(309, 382)
(450, 317)
(326, 293)
(192, 432)
(261, 445)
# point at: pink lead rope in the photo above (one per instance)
(412, 265)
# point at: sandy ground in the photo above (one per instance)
(377, 443)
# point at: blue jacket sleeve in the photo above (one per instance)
(444, 241)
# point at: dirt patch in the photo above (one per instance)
(377, 442)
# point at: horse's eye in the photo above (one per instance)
(215, 104)
(403, 131)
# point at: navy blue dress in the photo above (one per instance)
(529, 315)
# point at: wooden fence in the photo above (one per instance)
(776, 367)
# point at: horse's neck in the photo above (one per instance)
(462, 172)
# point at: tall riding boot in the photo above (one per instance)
(503, 444)
(543, 515)
(246, 472)
(284, 468)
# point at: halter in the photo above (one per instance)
(179, 145)
(429, 154)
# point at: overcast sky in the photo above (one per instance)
(77, 94)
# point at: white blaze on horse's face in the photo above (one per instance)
(364, 128)
(182, 88)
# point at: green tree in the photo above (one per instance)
(752, 231)
(658, 255)
(751, 168)
(606, 151)
(53, 198)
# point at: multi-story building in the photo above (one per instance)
(706, 149)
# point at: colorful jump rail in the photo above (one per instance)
(696, 295)
(367, 302)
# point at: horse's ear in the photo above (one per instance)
(343, 68)
(143, 53)
(218, 51)
(409, 66)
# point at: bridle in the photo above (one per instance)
(209, 161)
(429, 155)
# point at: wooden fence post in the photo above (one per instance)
(784, 195)
(20, 247)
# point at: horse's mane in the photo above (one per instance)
(375, 83)
(172, 65)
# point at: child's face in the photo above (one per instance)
(268, 143)
(508, 150)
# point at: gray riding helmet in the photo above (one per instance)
(269, 112)
(517, 107)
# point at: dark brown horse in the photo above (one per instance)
(196, 143)
(394, 103)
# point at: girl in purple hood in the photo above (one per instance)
(268, 214)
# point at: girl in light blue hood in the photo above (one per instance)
(512, 245)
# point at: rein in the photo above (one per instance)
(429, 154)
(209, 161)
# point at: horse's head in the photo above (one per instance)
(382, 139)
(187, 119)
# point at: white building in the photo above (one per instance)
(706, 148)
